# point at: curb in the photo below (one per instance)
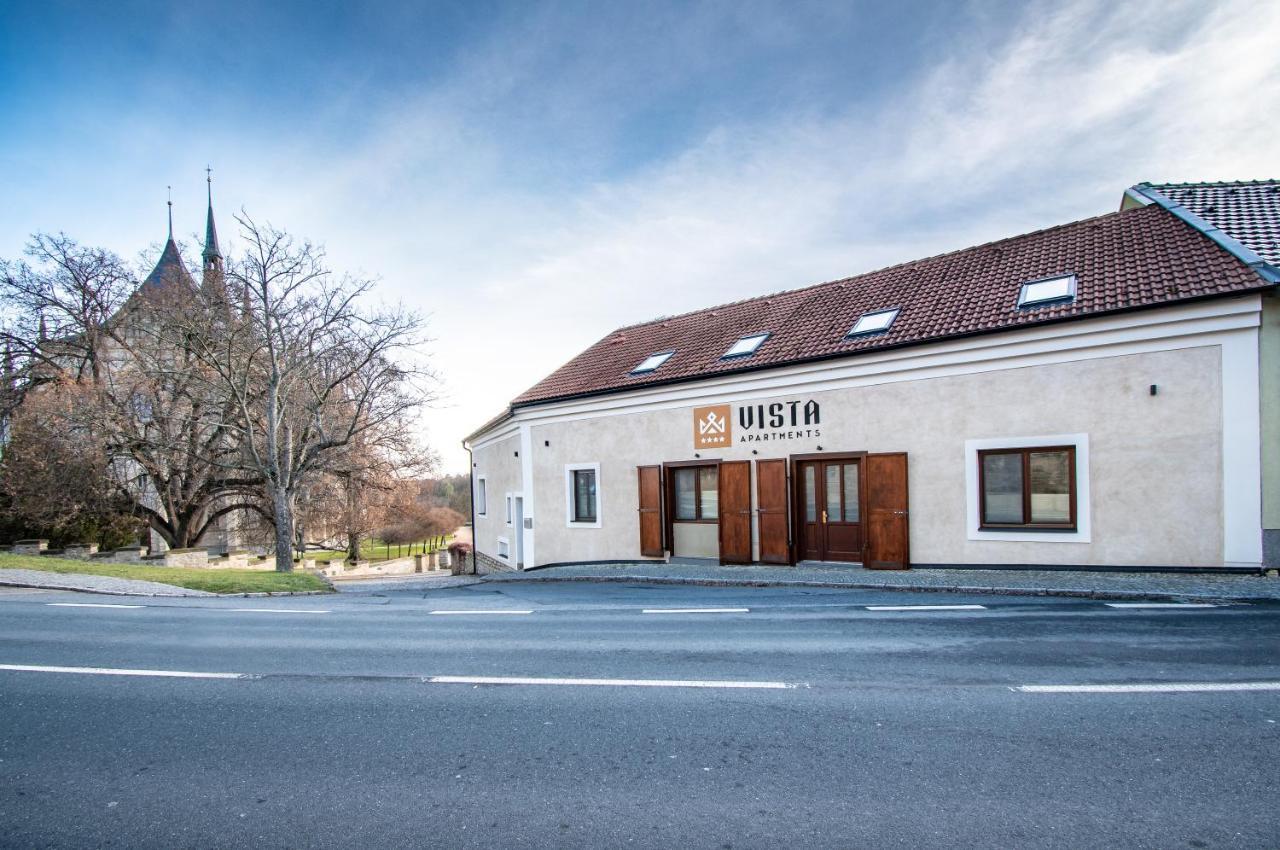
(989, 590)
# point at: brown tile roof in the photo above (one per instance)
(1141, 257)
(1248, 212)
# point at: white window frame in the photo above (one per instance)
(973, 501)
(1024, 300)
(569, 469)
(503, 542)
(510, 506)
(891, 312)
(482, 490)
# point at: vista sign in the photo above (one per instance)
(779, 420)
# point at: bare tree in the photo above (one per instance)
(308, 370)
(75, 324)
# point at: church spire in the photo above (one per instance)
(212, 254)
(170, 188)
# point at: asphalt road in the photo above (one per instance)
(843, 727)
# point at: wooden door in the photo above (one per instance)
(771, 508)
(887, 512)
(735, 512)
(650, 511)
(830, 510)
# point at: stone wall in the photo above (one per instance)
(186, 558)
(128, 554)
(30, 547)
(80, 551)
(484, 564)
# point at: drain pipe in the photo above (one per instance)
(471, 485)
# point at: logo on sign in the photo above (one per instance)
(711, 427)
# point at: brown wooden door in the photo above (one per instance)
(830, 510)
(771, 508)
(735, 512)
(887, 512)
(650, 511)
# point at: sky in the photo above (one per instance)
(530, 176)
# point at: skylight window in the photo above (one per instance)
(1048, 290)
(652, 362)
(745, 347)
(875, 322)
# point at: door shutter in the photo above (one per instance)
(886, 512)
(650, 511)
(771, 508)
(735, 512)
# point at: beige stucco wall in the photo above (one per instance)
(1155, 461)
(500, 467)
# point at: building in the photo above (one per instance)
(1100, 393)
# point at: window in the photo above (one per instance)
(745, 347)
(482, 498)
(504, 548)
(870, 323)
(1028, 488)
(582, 497)
(1047, 291)
(652, 362)
(697, 493)
(508, 509)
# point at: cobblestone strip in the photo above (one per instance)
(94, 584)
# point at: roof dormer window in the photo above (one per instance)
(1048, 290)
(652, 362)
(745, 347)
(873, 322)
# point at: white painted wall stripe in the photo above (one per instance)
(695, 611)
(612, 683)
(926, 607)
(113, 671)
(493, 611)
(89, 605)
(1151, 688)
(1160, 605)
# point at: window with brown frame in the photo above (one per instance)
(697, 493)
(1033, 488)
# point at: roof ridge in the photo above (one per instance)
(1207, 184)
(882, 270)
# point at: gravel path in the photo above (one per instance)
(1157, 586)
(94, 584)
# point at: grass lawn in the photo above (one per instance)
(375, 550)
(215, 581)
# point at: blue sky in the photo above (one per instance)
(533, 175)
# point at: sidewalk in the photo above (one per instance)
(94, 584)
(1193, 587)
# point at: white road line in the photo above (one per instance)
(281, 610)
(1151, 688)
(1160, 605)
(89, 605)
(494, 611)
(113, 671)
(695, 611)
(616, 683)
(926, 607)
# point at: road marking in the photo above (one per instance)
(282, 610)
(89, 605)
(114, 671)
(492, 611)
(1151, 688)
(1160, 605)
(616, 683)
(926, 607)
(695, 611)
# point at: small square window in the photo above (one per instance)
(870, 323)
(652, 362)
(745, 347)
(1049, 290)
